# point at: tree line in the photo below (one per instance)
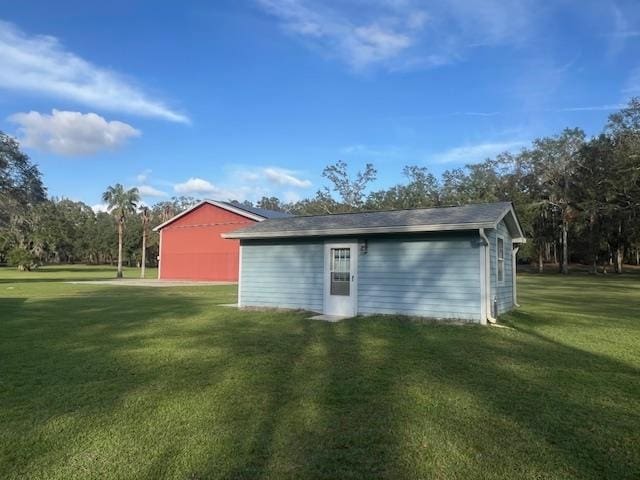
(578, 200)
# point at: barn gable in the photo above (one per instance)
(192, 246)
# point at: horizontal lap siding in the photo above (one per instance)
(282, 274)
(502, 291)
(431, 275)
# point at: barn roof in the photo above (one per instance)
(466, 217)
(263, 212)
(254, 213)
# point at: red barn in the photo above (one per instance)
(191, 247)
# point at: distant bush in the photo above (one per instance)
(22, 259)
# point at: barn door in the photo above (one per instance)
(340, 282)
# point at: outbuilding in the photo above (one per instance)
(191, 247)
(455, 263)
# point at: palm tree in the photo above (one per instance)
(146, 218)
(121, 203)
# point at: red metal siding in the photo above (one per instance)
(192, 248)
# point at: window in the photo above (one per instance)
(340, 271)
(500, 259)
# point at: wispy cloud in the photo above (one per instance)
(476, 153)
(201, 188)
(632, 85)
(284, 177)
(590, 108)
(624, 34)
(41, 64)
(71, 133)
(358, 44)
(144, 175)
(149, 191)
(400, 35)
(362, 150)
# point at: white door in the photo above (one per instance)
(340, 279)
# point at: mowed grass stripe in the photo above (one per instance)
(132, 382)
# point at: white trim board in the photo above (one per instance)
(214, 203)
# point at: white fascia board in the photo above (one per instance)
(237, 210)
(519, 237)
(358, 231)
(224, 206)
(176, 217)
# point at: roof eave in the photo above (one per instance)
(518, 233)
(239, 235)
(229, 208)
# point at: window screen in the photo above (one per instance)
(500, 260)
(340, 271)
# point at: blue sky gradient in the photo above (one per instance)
(241, 99)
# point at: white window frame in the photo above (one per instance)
(498, 260)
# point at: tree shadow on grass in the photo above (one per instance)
(151, 384)
(66, 367)
(377, 398)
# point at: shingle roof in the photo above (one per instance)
(263, 212)
(466, 217)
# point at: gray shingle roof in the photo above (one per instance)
(263, 212)
(467, 217)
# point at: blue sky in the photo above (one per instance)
(241, 99)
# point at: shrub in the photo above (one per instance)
(22, 259)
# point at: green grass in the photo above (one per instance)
(120, 382)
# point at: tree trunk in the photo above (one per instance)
(619, 250)
(638, 256)
(619, 259)
(119, 273)
(555, 252)
(144, 253)
(565, 248)
(540, 261)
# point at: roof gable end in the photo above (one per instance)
(223, 205)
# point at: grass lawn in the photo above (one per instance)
(130, 382)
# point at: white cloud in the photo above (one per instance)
(405, 34)
(291, 197)
(199, 187)
(195, 186)
(149, 191)
(71, 133)
(144, 175)
(590, 108)
(40, 64)
(100, 207)
(281, 176)
(360, 45)
(476, 153)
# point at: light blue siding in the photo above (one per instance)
(428, 275)
(503, 291)
(282, 274)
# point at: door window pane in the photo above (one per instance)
(340, 271)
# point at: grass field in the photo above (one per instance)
(121, 382)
